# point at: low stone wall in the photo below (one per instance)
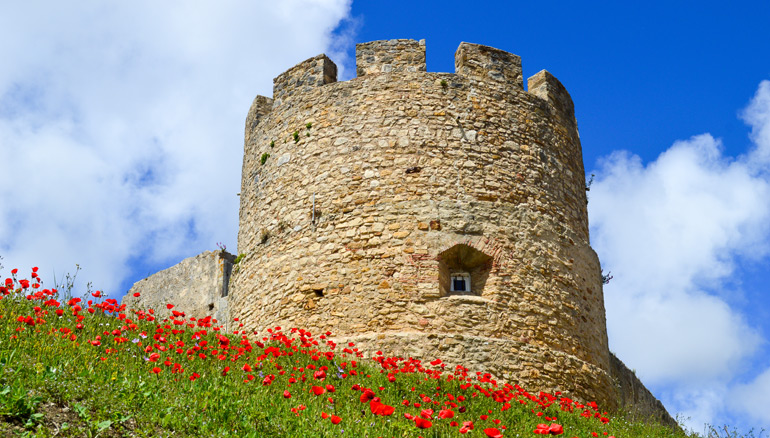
(634, 398)
(194, 286)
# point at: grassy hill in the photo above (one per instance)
(87, 367)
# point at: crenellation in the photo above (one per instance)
(545, 86)
(301, 78)
(484, 63)
(390, 56)
(260, 107)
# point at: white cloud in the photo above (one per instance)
(673, 232)
(757, 114)
(753, 398)
(121, 124)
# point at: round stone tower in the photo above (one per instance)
(425, 215)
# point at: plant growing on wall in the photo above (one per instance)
(264, 158)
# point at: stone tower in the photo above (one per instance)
(427, 214)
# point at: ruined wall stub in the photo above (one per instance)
(197, 286)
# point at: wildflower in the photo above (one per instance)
(335, 419)
(446, 413)
(422, 423)
(555, 429)
(379, 408)
(493, 433)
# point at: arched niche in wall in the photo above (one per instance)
(463, 270)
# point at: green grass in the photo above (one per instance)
(96, 369)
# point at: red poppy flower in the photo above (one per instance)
(379, 408)
(169, 306)
(446, 413)
(286, 394)
(367, 395)
(555, 429)
(317, 390)
(422, 423)
(493, 433)
(155, 370)
(336, 419)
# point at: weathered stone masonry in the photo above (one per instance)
(428, 215)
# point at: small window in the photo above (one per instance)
(460, 282)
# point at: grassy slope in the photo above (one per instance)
(99, 370)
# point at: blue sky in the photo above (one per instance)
(121, 139)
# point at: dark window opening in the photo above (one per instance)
(461, 282)
(319, 292)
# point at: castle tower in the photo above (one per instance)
(427, 214)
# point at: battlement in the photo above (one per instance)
(498, 69)
(484, 63)
(545, 86)
(390, 56)
(316, 71)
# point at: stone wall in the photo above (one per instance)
(635, 399)
(360, 200)
(194, 286)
